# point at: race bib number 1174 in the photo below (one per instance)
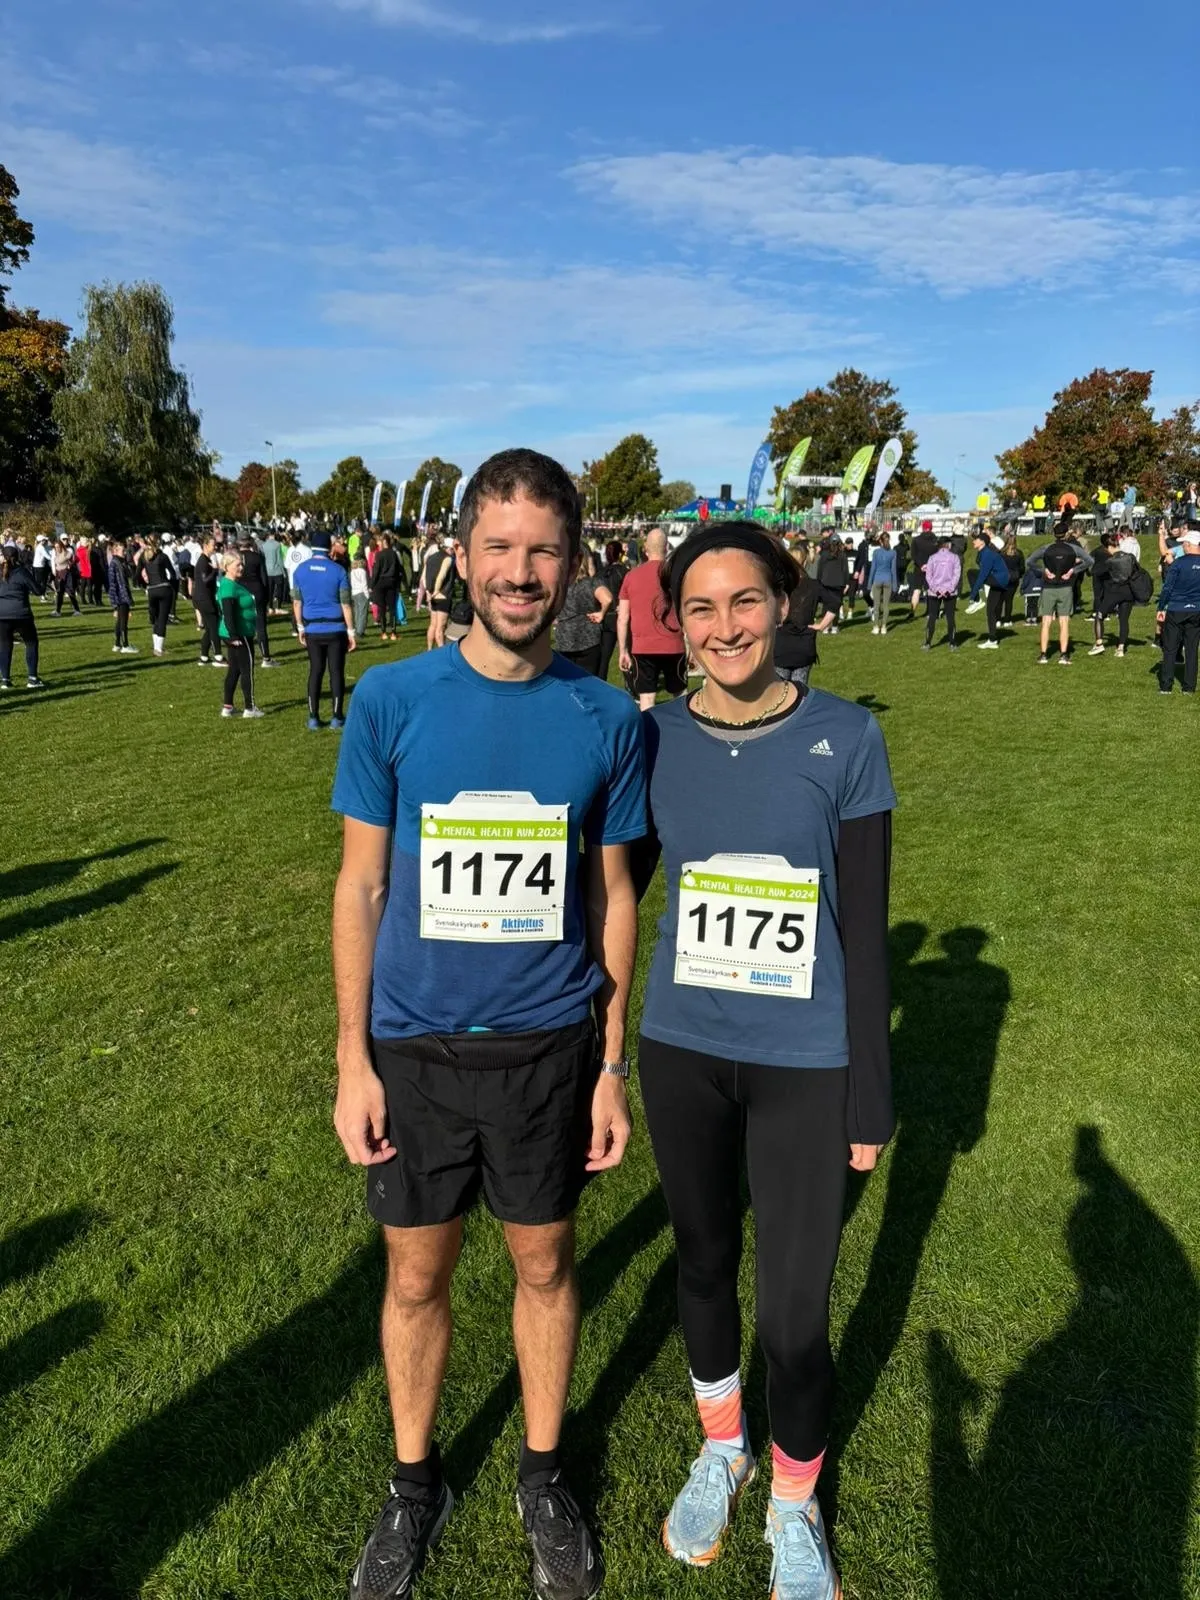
(493, 869)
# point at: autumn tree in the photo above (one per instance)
(129, 448)
(848, 412)
(921, 488)
(1101, 433)
(16, 235)
(33, 353)
(678, 492)
(346, 492)
(444, 475)
(627, 479)
(216, 496)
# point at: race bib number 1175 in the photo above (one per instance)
(747, 923)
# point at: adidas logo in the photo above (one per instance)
(821, 748)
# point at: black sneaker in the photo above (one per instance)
(566, 1561)
(409, 1526)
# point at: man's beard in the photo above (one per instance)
(516, 635)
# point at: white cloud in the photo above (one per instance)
(89, 185)
(429, 18)
(955, 228)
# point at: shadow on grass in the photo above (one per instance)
(1084, 1485)
(51, 874)
(38, 918)
(25, 1358)
(944, 1045)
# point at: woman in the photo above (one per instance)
(62, 569)
(1112, 578)
(205, 577)
(120, 593)
(17, 589)
(385, 585)
(833, 575)
(796, 636)
(579, 628)
(765, 1025)
(157, 575)
(611, 575)
(1015, 562)
(239, 628)
(882, 581)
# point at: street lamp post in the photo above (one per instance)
(274, 496)
(954, 480)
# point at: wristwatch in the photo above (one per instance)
(616, 1069)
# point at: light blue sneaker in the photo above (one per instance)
(803, 1567)
(703, 1507)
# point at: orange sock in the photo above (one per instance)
(793, 1481)
(720, 1407)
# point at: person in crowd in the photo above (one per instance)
(254, 579)
(321, 597)
(1112, 581)
(924, 545)
(298, 550)
(239, 629)
(579, 626)
(1179, 614)
(469, 1063)
(437, 579)
(612, 575)
(43, 565)
(17, 592)
(385, 585)
(1059, 566)
(730, 1081)
(83, 571)
(860, 567)
(205, 577)
(883, 580)
(171, 552)
(649, 642)
(942, 579)
(797, 634)
(360, 596)
(992, 574)
(62, 566)
(276, 576)
(1014, 560)
(156, 575)
(833, 575)
(120, 595)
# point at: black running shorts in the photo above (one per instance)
(671, 668)
(510, 1114)
(442, 606)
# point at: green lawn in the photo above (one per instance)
(191, 1405)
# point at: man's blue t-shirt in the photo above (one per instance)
(427, 729)
(324, 589)
(785, 794)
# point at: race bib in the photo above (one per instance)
(493, 869)
(747, 923)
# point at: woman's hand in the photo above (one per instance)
(864, 1156)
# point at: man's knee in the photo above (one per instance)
(543, 1258)
(418, 1271)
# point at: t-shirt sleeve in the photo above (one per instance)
(868, 782)
(626, 590)
(618, 813)
(343, 593)
(365, 784)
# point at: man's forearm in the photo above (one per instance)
(298, 614)
(357, 912)
(612, 938)
(622, 626)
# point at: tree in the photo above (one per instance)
(216, 496)
(33, 355)
(445, 475)
(627, 479)
(1100, 433)
(1179, 461)
(130, 449)
(16, 235)
(921, 489)
(677, 493)
(347, 491)
(850, 411)
(257, 496)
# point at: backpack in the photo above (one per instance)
(943, 572)
(1121, 567)
(1141, 586)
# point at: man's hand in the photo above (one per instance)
(626, 661)
(351, 642)
(1160, 617)
(360, 1115)
(611, 1123)
(862, 1156)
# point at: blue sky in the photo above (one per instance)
(400, 227)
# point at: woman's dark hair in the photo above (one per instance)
(8, 560)
(779, 567)
(613, 551)
(540, 478)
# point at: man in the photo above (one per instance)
(649, 640)
(325, 624)
(1179, 614)
(923, 546)
(943, 575)
(993, 572)
(1060, 565)
(272, 554)
(471, 942)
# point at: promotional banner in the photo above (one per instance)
(856, 472)
(757, 473)
(375, 500)
(791, 469)
(425, 493)
(893, 454)
(401, 491)
(460, 488)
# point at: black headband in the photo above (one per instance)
(728, 536)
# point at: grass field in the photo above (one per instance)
(191, 1405)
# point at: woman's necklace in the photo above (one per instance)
(749, 723)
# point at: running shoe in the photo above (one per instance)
(566, 1561)
(5, 683)
(874, 630)
(314, 724)
(228, 711)
(204, 662)
(1096, 650)
(704, 1506)
(35, 683)
(989, 644)
(336, 724)
(1043, 660)
(129, 650)
(409, 1526)
(927, 645)
(254, 711)
(976, 605)
(269, 661)
(219, 661)
(1064, 661)
(802, 1568)
(116, 649)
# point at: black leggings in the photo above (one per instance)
(65, 587)
(995, 610)
(240, 669)
(25, 629)
(121, 625)
(937, 605)
(385, 604)
(608, 644)
(260, 614)
(701, 1112)
(327, 650)
(1121, 611)
(589, 660)
(210, 637)
(159, 603)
